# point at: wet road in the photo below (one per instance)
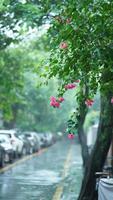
(54, 174)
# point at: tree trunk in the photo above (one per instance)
(82, 135)
(99, 153)
(84, 92)
(10, 124)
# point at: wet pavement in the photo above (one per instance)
(59, 169)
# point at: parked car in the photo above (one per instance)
(16, 143)
(42, 140)
(2, 156)
(49, 138)
(7, 148)
(33, 138)
(27, 147)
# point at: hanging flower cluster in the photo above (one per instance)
(70, 86)
(71, 136)
(60, 99)
(89, 102)
(56, 102)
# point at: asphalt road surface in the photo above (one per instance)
(54, 173)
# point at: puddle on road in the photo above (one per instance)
(41, 177)
(35, 180)
(72, 182)
(30, 185)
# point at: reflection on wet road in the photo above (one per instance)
(40, 177)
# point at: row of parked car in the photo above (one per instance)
(14, 144)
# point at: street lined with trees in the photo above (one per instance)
(78, 52)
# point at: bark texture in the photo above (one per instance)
(82, 135)
(99, 153)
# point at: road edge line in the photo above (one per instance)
(59, 189)
(10, 166)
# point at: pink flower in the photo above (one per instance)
(112, 100)
(77, 81)
(54, 102)
(89, 102)
(60, 99)
(63, 45)
(57, 104)
(52, 98)
(70, 136)
(70, 86)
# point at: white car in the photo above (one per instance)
(34, 139)
(16, 143)
(7, 148)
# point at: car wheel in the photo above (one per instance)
(11, 158)
(15, 155)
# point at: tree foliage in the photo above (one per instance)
(88, 34)
(84, 28)
(35, 114)
(81, 45)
